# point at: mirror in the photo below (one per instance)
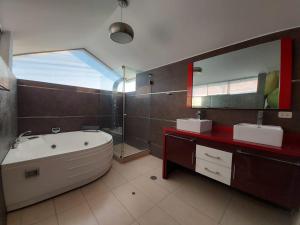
(249, 78)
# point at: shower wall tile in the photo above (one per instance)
(137, 127)
(156, 130)
(36, 101)
(42, 106)
(156, 150)
(137, 105)
(44, 125)
(170, 106)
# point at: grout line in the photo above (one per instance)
(57, 117)
(226, 208)
(94, 92)
(56, 213)
(127, 210)
(89, 206)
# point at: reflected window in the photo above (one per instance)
(200, 90)
(243, 86)
(217, 88)
(70, 67)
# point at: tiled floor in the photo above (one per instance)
(127, 196)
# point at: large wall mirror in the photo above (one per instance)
(256, 77)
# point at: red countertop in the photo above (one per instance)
(222, 134)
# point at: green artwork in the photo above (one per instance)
(271, 91)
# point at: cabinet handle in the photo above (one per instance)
(214, 172)
(211, 156)
(181, 138)
(268, 158)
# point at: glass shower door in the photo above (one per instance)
(130, 121)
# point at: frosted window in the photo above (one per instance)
(200, 90)
(72, 67)
(217, 88)
(243, 86)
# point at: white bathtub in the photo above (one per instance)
(37, 170)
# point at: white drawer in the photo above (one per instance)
(214, 171)
(213, 155)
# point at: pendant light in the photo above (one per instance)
(120, 32)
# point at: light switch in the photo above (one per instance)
(285, 115)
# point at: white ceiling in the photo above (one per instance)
(165, 30)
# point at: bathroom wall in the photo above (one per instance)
(156, 106)
(8, 111)
(42, 106)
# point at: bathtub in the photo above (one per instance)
(44, 166)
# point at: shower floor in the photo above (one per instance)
(128, 151)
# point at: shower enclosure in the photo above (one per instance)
(128, 127)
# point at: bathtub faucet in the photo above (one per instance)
(18, 139)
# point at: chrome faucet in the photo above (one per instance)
(18, 139)
(260, 117)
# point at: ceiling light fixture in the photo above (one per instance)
(120, 32)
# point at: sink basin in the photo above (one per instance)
(194, 125)
(267, 135)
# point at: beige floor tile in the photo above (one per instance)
(156, 216)
(94, 189)
(150, 162)
(114, 179)
(128, 170)
(14, 218)
(68, 200)
(171, 184)
(37, 212)
(245, 210)
(184, 213)
(137, 203)
(135, 223)
(80, 215)
(109, 211)
(133, 169)
(49, 221)
(209, 197)
(150, 188)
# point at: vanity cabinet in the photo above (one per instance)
(269, 178)
(272, 174)
(181, 150)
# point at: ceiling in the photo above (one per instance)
(165, 30)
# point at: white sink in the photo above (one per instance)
(267, 135)
(194, 125)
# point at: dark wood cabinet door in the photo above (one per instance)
(181, 150)
(269, 178)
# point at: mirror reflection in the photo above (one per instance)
(244, 79)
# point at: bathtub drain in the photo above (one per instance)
(86, 143)
(53, 146)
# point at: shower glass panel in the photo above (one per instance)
(130, 119)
